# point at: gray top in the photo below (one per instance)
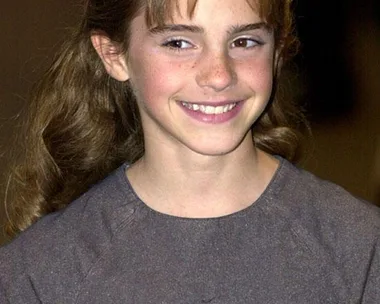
(303, 241)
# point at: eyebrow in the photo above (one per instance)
(176, 28)
(235, 29)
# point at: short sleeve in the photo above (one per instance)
(372, 287)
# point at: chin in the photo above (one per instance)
(216, 148)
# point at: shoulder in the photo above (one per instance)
(62, 246)
(339, 232)
(325, 200)
(326, 213)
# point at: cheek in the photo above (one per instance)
(154, 79)
(258, 74)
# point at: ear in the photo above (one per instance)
(109, 52)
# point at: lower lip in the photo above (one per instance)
(213, 118)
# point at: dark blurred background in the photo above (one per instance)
(336, 79)
(339, 84)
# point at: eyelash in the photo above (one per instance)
(172, 43)
(247, 40)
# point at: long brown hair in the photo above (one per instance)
(82, 124)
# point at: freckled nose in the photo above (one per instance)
(216, 72)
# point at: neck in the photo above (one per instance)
(187, 184)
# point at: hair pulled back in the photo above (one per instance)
(82, 123)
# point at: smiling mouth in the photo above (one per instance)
(208, 109)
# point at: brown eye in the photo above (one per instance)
(244, 43)
(178, 44)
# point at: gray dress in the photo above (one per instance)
(303, 241)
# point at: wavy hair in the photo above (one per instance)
(82, 123)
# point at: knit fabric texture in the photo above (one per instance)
(304, 240)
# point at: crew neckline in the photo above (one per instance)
(268, 192)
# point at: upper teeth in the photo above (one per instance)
(209, 109)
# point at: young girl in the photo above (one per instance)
(182, 99)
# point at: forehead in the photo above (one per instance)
(160, 11)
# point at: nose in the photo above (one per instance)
(215, 71)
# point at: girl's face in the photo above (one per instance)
(202, 82)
